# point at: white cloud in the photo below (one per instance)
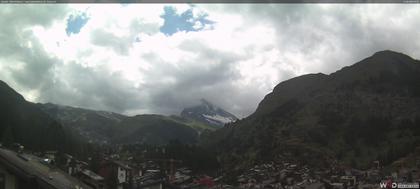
(247, 51)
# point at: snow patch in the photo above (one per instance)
(219, 118)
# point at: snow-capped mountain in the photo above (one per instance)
(208, 113)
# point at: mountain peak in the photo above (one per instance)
(388, 53)
(208, 113)
(381, 63)
(381, 67)
(392, 57)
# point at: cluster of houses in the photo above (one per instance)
(21, 170)
(125, 173)
(278, 175)
(288, 175)
(112, 173)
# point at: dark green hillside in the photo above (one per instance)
(22, 122)
(153, 129)
(365, 112)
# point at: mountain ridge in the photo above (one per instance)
(104, 127)
(308, 80)
(354, 115)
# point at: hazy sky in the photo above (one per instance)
(146, 58)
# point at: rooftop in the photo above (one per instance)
(92, 175)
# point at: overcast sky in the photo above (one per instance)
(146, 58)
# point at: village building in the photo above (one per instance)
(117, 173)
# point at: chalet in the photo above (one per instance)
(22, 171)
(123, 172)
(70, 166)
(118, 173)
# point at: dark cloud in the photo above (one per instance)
(342, 34)
(35, 68)
(15, 21)
(121, 44)
(28, 67)
(24, 61)
(88, 87)
(209, 75)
